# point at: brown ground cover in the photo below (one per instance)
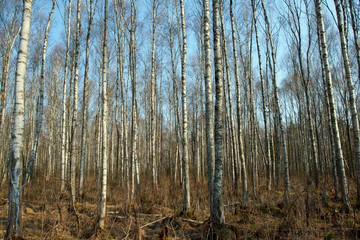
(156, 214)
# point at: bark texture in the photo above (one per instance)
(335, 128)
(218, 208)
(13, 229)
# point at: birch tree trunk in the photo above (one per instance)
(252, 118)
(209, 106)
(264, 102)
(120, 66)
(238, 110)
(84, 127)
(69, 119)
(63, 121)
(331, 137)
(186, 179)
(352, 97)
(175, 96)
(231, 114)
(75, 109)
(354, 24)
(335, 128)
(153, 98)
(218, 208)
(39, 104)
(315, 149)
(13, 229)
(105, 114)
(12, 35)
(134, 130)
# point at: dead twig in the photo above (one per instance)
(192, 221)
(150, 223)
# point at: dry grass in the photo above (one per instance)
(156, 214)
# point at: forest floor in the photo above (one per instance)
(156, 214)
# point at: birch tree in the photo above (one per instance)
(186, 179)
(153, 97)
(329, 86)
(218, 208)
(134, 127)
(231, 114)
(209, 106)
(264, 102)
(84, 127)
(104, 147)
(63, 120)
(9, 39)
(238, 110)
(40, 102)
(354, 25)
(352, 96)
(75, 107)
(13, 229)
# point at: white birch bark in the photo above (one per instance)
(218, 208)
(153, 97)
(39, 104)
(132, 63)
(104, 124)
(334, 124)
(175, 96)
(120, 65)
(13, 32)
(13, 229)
(264, 102)
(252, 118)
(354, 24)
(352, 97)
(186, 178)
(234, 150)
(209, 106)
(238, 111)
(75, 108)
(63, 121)
(84, 127)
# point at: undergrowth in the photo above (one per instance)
(156, 213)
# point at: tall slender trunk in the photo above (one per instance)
(352, 97)
(75, 108)
(264, 102)
(39, 104)
(63, 121)
(104, 124)
(218, 208)
(84, 127)
(231, 114)
(209, 106)
(186, 179)
(334, 124)
(13, 227)
(153, 98)
(132, 62)
(176, 98)
(238, 110)
(120, 66)
(252, 118)
(13, 33)
(355, 28)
